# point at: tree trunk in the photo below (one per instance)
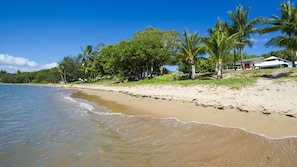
(220, 69)
(292, 58)
(193, 71)
(62, 78)
(161, 69)
(234, 59)
(241, 58)
(65, 80)
(151, 72)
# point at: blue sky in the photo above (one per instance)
(37, 34)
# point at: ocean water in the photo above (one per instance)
(41, 126)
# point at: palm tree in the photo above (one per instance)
(243, 27)
(231, 30)
(62, 72)
(219, 44)
(87, 58)
(287, 25)
(190, 48)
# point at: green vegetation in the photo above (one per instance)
(206, 79)
(243, 28)
(219, 45)
(287, 25)
(190, 48)
(143, 58)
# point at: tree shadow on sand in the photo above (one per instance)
(279, 73)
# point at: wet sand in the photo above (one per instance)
(270, 124)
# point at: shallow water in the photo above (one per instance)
(47, 127)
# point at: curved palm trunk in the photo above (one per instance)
(193, 68)
(62, 78)
(234, 59)
(193, 71)
(241, 58)
(220, 69)
(161, 69)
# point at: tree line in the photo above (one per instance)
(147, 52)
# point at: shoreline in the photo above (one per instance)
(136, 101)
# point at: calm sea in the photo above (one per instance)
(42, 127)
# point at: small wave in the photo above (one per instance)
(165, 121)
(109, 113)
(89, 107)
(85, 105)
(70, 99)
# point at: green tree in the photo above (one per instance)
(171, 40)
(287, 25)
(205, 65)
(190, 48)
(219, 44)
(142, 56)
(62, 72)
(21, 77)
(87, 58)
(47, 76)
(108, 59)
(6, 77)
(165, 45)
(241, 25)
(69, 69)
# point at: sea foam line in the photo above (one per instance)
(218, 125)
(85, 105)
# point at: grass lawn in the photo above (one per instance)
(234, 79)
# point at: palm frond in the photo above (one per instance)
(286, 24)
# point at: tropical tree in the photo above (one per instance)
(87, 58)
(244, 28)
(46, 76)
(70, 69)
(287, 25)
(190, 48)
(142, 56)
(219, 44)
(62, 72)
(165, 45)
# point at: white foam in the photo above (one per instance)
(70, 99)
(108, 113)
(197, 122)
(89, 107)
(255, 133)
(85, 105)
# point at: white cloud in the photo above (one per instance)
(6, 59)
(12, 64)
(49, 66)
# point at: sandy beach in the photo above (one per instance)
(266, 108)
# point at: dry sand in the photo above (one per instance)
(267, 108)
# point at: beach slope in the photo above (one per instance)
(266, 108)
